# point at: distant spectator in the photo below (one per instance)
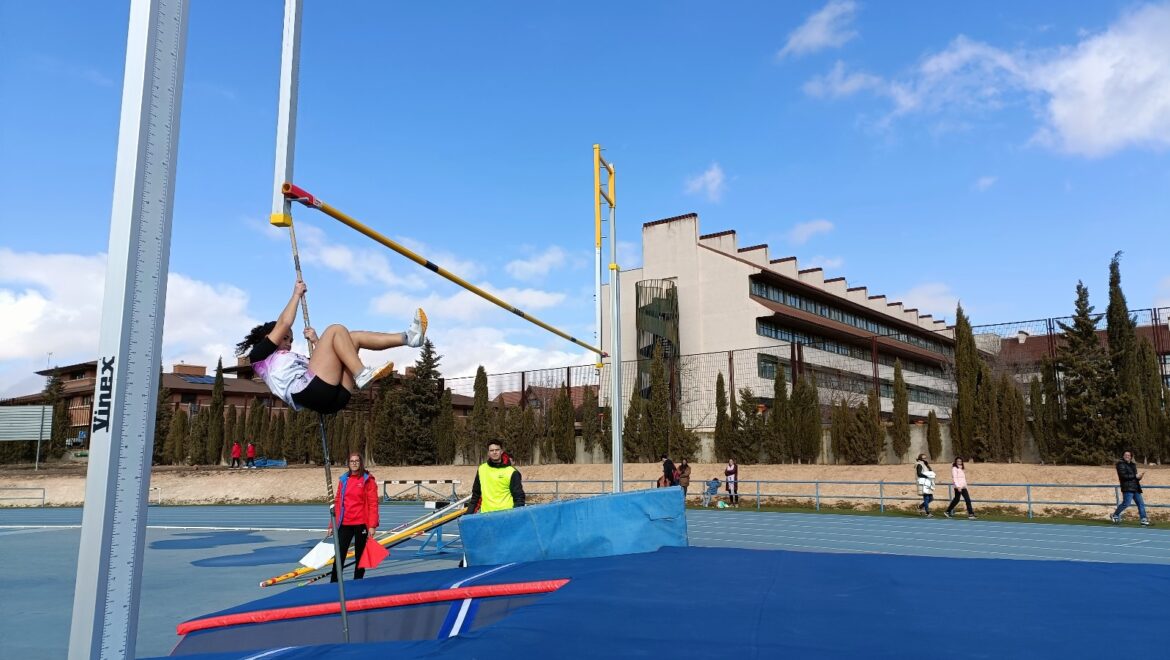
(925, 477)
(959, 479)
(236, 454)
(711, 489)
(731, 473)
(1131, 488)
(684, 475)
(251, 454)
(669, 473)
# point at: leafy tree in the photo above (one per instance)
(900, 440)
(723, 430)
(779, 431)
(474, 442)
(562, 428)
(444, 431)
(1089, 433)
(176, 444)
(216, 452)
(933, 436)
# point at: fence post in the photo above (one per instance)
(757, 495)
(1117, 496)
(882, 496)
(817, 484)
(557, 490)
(1028, 494)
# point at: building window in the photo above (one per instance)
(768, 329)
(796, 301)
(766, 366)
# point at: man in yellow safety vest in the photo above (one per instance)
(497, 483)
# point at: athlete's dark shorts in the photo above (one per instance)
(322, 397)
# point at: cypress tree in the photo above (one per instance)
(474, 443)
(933, 436)
(806, 420)
(779, 430)
(723, 430)
(657, 421)
(901, 416)
(1152, 397)
(858, 434)
(197, 437)
(421, 406)
(875, 431)
(967, 371)
(838, 426)
(1089, 432)
(752, 430)
(1053, 411)
(590, 421)
(216, 448)
(561, 427)
(986, 423)
(177, 438)
(1040, 425)
(444, 431)
(1126, 409)
(59, 423)
(529, 428)
(632, 429)
(241, 432)
(162, 422)
(278, 431)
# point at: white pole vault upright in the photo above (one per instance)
(615, 305)
(109, 564)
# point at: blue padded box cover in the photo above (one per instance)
(619, 524)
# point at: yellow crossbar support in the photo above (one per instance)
(297, 194)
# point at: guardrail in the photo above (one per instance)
(1029, 497)
(41, 496)
(418, 486)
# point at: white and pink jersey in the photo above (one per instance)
(285, 372)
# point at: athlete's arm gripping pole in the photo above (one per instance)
(297, 194)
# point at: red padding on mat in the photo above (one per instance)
(373, 603)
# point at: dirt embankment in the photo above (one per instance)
(65, 486)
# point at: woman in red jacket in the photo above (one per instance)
(356, 507)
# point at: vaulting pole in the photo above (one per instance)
(297, 194)
(286, 133)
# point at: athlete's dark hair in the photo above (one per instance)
(259, 332)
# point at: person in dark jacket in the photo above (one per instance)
(669, 473)
(356, 506)
(498, 485)
(1131, 488)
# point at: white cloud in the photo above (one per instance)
(500, 352)
(801, 233)
(83, 72)
(710, 183)
(538, 265)
(53, 303)
(984, 182)
(1108, 92)
(831, 27)
(1112, 90)
(463, 305)
(826, 263)
(933, 298)
(1163, 296)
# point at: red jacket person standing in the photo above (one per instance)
(356, 507)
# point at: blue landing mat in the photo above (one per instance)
(718, 602)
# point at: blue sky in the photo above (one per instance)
(993, 152)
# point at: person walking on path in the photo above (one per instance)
(684, 475)
(498, 485)
(925, 477)
(731, 483)
(356, 505)
(959, 479)
(669, 473)
(1131, 489)
(251, 455)
(236, 454)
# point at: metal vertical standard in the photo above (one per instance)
(615, 327)
(109, 565)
